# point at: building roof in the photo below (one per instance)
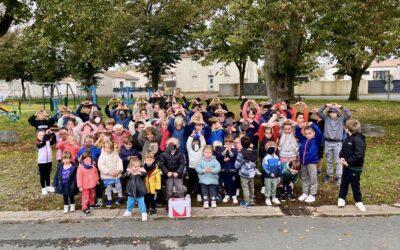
(386, 63)
(120, 74)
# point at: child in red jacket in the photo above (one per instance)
(87, 178)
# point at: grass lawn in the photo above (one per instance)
(380, 181)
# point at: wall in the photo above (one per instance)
(341, 87)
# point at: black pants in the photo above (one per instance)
(150, 201)
(99, 189)
(209, 192)
(193, 183)
(44, 172)
(350, 177)
(71, 199)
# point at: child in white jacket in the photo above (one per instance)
(195, 146)
(111, 167)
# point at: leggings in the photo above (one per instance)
(71, 199)
(150, 201)
(44, 172)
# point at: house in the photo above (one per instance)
(116, 83)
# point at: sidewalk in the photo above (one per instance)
(197, 212)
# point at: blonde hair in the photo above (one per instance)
(110, 144)
(353, 126)
(149, 155)
(135, 162)
(208, 147)
(179, 121)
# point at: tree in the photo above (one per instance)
(357, 32)
(230, 37)
(161, 31)
(12, 11)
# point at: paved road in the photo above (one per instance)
(237, 233)
(371, 97)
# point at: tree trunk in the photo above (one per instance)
(155, 79)
(23, 97)
(355, 84)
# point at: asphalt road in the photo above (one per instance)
(234, 233)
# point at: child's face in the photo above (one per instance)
(252, 115)
(128, 146)
(268, 134)
(134, 167)
(198, 127)
(287, 129)
(293, 171)
(309, 133)
(87, 161)
(140, 128)
(119, 131)
(149, 161)
(143, 114)
(161, 114)
(164, 125)
(106, 138)
(41, 116)
(86, 109)
(107, 149)
(215, 125)
(207, 153)
(228, 143)
(70, 125)
(88, 142)
(66, 160)
(87, 129)
(156, 108)
(178, 126)
(150, 136)
(109, 127)
(40, 135)
(153, 147)
(333, 115)
(71, 139)
(300, 119)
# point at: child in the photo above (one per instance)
(44, 140)
(216, 133)
(333, 136)
(153, 182)
(165, 135)
(172, 163)
(69, 145)
(290, 174)
(288, 146)
(252, 113)
(352, 157)
(110, 166)
(309, 147)
(195, 146)
(65, 181)
(135, 188)
(208, 169)
(87, 178)
(119, 135)
(272, 171)
(148, 135)
(39, 120)
(128, 153)
(246, 163)
(227, 158)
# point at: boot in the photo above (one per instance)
(66, 209)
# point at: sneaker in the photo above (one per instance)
(283, 197)
(50, 189)
(338, 180)
(206, 205)
(226, 198)
(153, 211)
(310, 199)
(72, 208)
(341, 202)
(66, 209)
(360, 206)
(268, 202)
(127, 214)
(244, 204)
(237, 191)
(303, 197)
(291, 198)
(44, 191)
(319, 172)
(327, 179)
(144, 216)
(213, 204)
(235, 200)
(218, 198)
(199, 199)
(87, 211)
(252, 202)
(120, 201)
(98, 204)
(263, 190)
(276, 201)
(108, 203)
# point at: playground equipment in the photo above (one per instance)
(92, 90)
(50, 88)
(7, 107)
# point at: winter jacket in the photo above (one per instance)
(353, 151)
(288, 177)
(165, 136)
(118, 120)
(109, 163)
(208, 178)
(181, 134)
(172, 163)
(87, 178)
(66, 147)
(246, 162)
(334, 128)
(271, 165)
(135, 142)
(94, 152)
(227, 166)
(309, 148)
(125, 153)
(153, 179)
(85, 116)
(135, 185)
(288, 146)
(216, 135)
(119, 139)
(85, 129)
(44, 148)
(41, 124)
(195, 156)
(71, 187)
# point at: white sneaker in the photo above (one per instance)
(213, 204)
(303, 197)
(206, 205)
(268, 202)
(114, 190)
(237, 191)
(360, 206)
(263, 190)
(50, 189)
(341, 202)
(66, 209)
(144, 216)
(44, 191)
(226, 198)
(235, 200)
(127, 214)
(310, 199)
(72, 208)
(199, 199)
(276, 201)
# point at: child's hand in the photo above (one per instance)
(291, 185)
(169, 174)
(344, 162)
(80, 189)
(272, 175)
(175, 174)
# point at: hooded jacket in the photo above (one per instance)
(208, 178)
(195, 156)
(309, 148)
(246, 162)
(334, 128)
(172, 163)
(87, 178)
(272, 165)
(71, 187)
(135, 185)
(153, 178)
(44, 148)
(109, 162)
(353, 151)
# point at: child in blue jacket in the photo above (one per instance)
(309, 147)
(272, 171)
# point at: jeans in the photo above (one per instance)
(109, 190)
(230, 182)
(332, 150)
(209, 191)
(44, 172)
(270, 187)
(131, 203)
(177, 183)
(350, 177)
(309, 178)
(248, 188)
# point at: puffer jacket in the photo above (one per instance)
(172, 163)
(153, 180)
(109, 163)
(271, 165)
(195, 156)
(208, 178)
(246, 162)
(135, 185)
(71, 187)
(87, 178)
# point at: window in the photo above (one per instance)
(380, 75)
(121, 85)
(366, 73)
(133, 84)
(210, 82)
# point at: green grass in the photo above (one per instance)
(380, 182)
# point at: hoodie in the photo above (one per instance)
(272, 165)
(333, 128)
(353, 151)
(208, 178)
(246, 162)
(109, 162)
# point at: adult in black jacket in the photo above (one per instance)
(352, 158)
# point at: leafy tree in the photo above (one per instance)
(357, 32)
(12, 12)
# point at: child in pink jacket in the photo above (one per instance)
(87, 178)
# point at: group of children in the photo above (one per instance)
(196, 147)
